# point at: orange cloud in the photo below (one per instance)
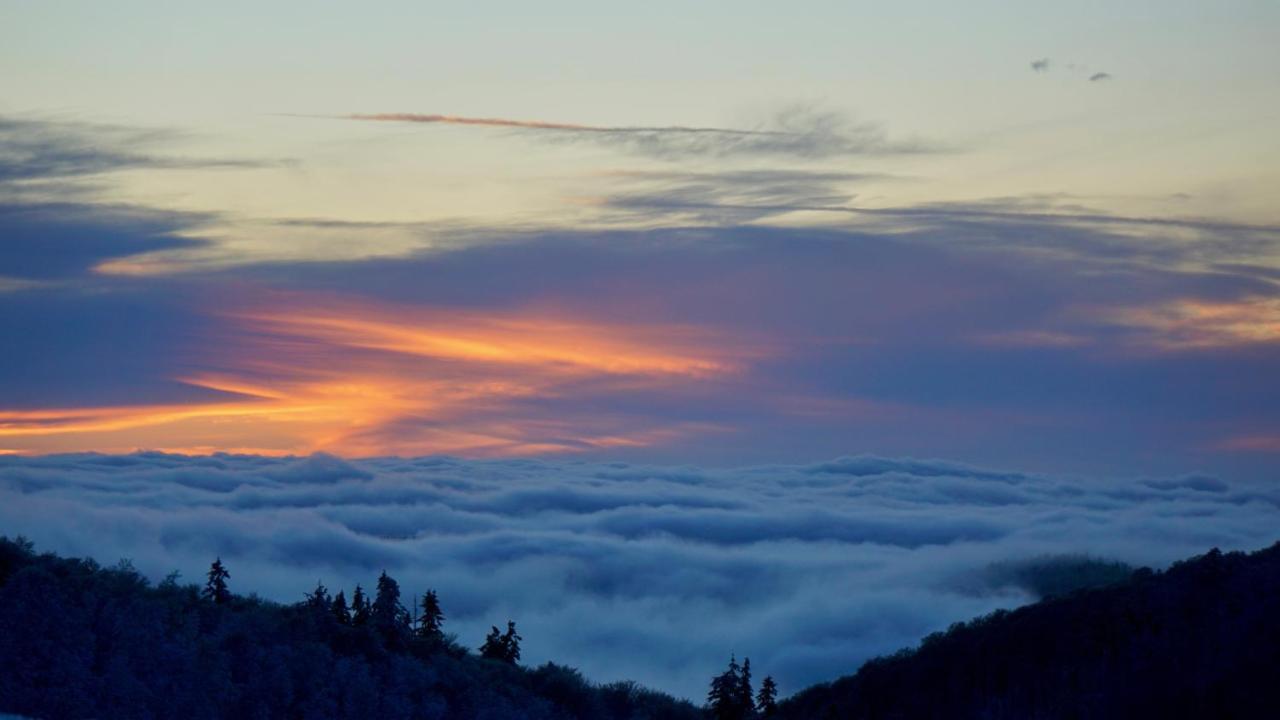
(319, 373)
(1195, 324)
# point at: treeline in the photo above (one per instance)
(1199, 640)
(731, 696)
(78, 640)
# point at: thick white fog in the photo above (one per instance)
(655, 574)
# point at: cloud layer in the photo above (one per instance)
(1034, 331)
(648, 572)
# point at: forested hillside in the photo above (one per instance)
(1200, 640)
(81, 641)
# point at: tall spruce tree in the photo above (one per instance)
(387, 614)
(215, 588)
(359, 608)
(432, 621)
(724, 698)
(318, 600)
(746, 701)
(339, 609)
(767, 698)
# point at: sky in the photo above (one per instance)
(729, 241)
(734, 233)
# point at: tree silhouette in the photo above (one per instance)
(339, 609)
(511, 643)
(491, 649)
(318, 600)
(724, 699)
(502, 646)
(359, 608)
(388, 615)
(81, 641)
(216, 587)
(432, 620)
(767, 698)
(745, 693)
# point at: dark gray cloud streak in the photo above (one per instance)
(800, 132)
(648, 572)
(37, 149)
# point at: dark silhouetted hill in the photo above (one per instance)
(1199, 640)
(81, 641)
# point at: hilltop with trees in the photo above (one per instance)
(77, 640)
(1199, 640)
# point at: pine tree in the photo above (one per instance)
(511, 643)
(216, 588)
(360, 610)
(429, 626)
(745, 700)
(724, 697)
(318, 600)
(492, 647)
(766, 699)
(339, 609)
(388, 615)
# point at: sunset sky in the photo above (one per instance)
(1041, 235)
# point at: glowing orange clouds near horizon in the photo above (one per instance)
(305, 372)
(1200, 324)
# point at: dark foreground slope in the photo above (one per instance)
(80, 641)
(1200, 640)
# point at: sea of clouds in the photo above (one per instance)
(650, 573)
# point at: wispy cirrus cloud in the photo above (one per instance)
(36, 149)
(802, 132)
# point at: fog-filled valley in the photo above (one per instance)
(654, 574)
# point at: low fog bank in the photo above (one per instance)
(653, 574)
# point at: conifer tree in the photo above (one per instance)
(724, 696)
(511, 643)
(359, 608)
(432, 621)
(339, 609)
(388, 615)
(216, 587)
(318, 600)
(767, 698)
(492, 647)
(745, 693)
